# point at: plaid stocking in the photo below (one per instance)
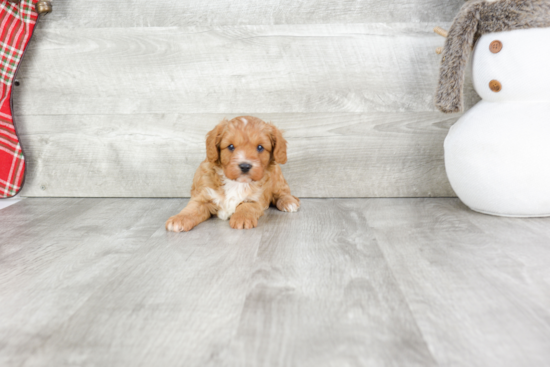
(17, 21)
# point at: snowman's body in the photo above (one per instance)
(497, 156)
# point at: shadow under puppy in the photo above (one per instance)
(240, 177)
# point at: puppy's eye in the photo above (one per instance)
(260, 148)
(231, 147)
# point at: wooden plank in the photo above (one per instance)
(341, 282)
(477, 285)
(177, 298)
(322, 295)
(46, 219)
(14, 217)
(168, 13)
(57, 269)
(294, 291)
(126, 77)
(330, 155)
(234, 69)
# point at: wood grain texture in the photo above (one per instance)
(321, 294)
(43, 214)
(361, 282)
(115, 98)
(50, 270)
(477, 285)
(258, 297)
(175, 302)
(174, 13)
(237, 69)
(334, 155)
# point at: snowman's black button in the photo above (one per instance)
(495, 86)
(495, 47)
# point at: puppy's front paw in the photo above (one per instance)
(288, 203)
(179, 223)
(243, 221)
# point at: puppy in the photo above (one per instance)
(240, 177)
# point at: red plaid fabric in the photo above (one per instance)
(16, 26)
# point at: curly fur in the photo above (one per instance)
(224, 188)
(476, 18)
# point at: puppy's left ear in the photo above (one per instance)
(279, 145)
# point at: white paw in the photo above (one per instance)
(290, 208)
(289, 204)
(180, 223)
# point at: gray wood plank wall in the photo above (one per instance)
(115, 98)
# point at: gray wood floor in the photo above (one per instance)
(343, 282)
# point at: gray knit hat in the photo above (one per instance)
(476, 18)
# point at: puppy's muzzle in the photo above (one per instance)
(245, 167)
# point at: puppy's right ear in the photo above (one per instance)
(213, 139)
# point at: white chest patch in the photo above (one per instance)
(233, 194)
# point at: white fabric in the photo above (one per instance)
(497, 156)
(522, 66)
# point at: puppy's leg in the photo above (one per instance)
(194, 213)
(287, 203)
(246, 216)
(282, 198)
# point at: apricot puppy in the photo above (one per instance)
(240, 177)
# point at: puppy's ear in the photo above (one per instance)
(213, 139)
(279, 145)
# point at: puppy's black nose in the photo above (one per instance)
(245, 167)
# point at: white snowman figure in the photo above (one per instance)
(497, 155)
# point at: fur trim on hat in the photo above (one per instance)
(476, 18)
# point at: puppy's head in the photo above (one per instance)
(244, 147)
